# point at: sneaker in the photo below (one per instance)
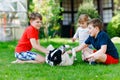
(93, 63)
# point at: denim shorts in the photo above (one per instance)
(26, 55)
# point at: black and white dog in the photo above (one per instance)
(59, 57)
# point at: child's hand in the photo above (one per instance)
(73, 39)
(90, 56)
(69, 52)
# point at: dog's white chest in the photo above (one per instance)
(66, 60)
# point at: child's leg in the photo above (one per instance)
(29, 57)
(85, 53)
(21, 61)
(91, 55)
(111, 60)
(105, 58)
(100, 57)
(40, 59)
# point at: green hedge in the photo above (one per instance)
(113, 28)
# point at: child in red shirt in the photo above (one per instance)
(30, 40)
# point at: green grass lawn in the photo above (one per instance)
(78, 71)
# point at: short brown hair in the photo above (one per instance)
(35, 15)
(96, 23)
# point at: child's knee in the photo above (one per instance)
(100, 58)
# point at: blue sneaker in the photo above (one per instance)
(93, 63)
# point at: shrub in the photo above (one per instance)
(50, 11)
(118, 30)
(113, 28)
(89, 9)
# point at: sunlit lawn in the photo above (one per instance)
(78, 71)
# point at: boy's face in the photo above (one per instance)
(36, 23)
(92, 30)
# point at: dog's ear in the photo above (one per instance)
(63, 48)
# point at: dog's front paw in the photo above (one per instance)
(73, 52)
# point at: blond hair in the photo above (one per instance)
(83, 17)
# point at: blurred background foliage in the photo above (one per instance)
(113, 28)
(87, 7)
(50, 11)
(117, 6)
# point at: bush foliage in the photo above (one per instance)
(50, 11)
(89, 9)
(113, 28)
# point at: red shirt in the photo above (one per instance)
(24, 43)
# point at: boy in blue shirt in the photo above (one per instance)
(105, 50)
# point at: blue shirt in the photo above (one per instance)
(103, 39)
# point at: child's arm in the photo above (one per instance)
(76, 35)
(73, 39)
(78, 48)
(35, 44)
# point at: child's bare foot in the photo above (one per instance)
(17, 61)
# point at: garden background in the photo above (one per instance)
(51, 34)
